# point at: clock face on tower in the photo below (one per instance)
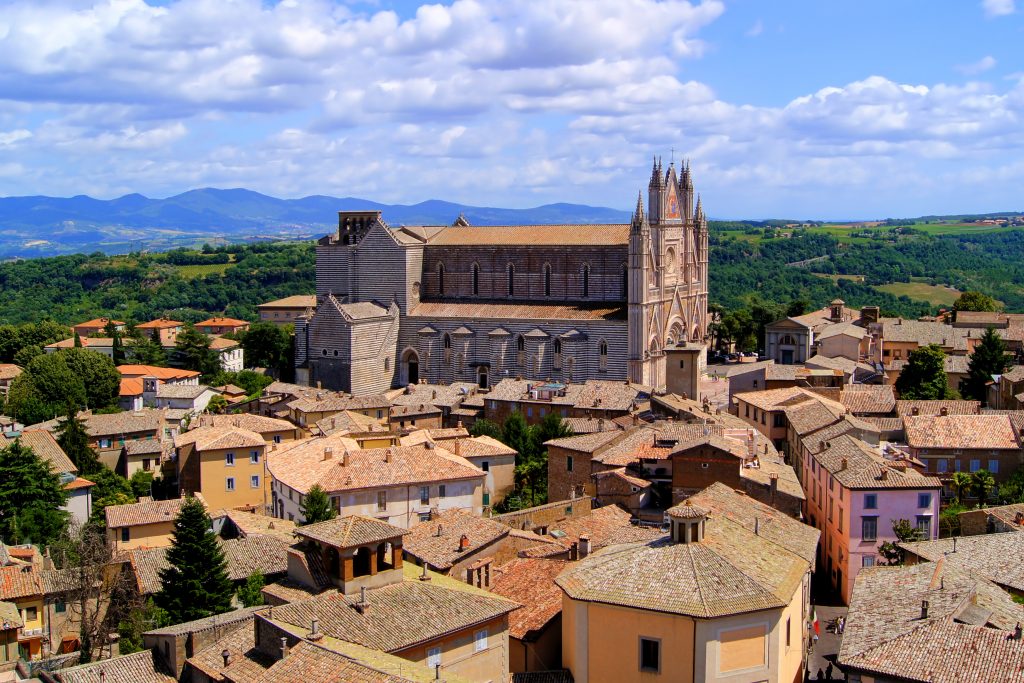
(672, 204)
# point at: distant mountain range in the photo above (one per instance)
(46, 226)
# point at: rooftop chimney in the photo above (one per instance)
(773, 482)
(363, 603)
(388, 454)
(333, 423)
(943, 411)
(843, 464)
(924, 609)
(346, 458)
(954, 544)
(757, 526)
(424, 576)
(1017, 631)
(884, 474)
(458, 424)
(328, 452)
(440, 528)
(574, 551)
(225, 655)
(458, 447)
(463, 543)
(584, 546)
(284, 647)
(914, 411)
(314, 630)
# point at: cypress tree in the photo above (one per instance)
(316, 507)
(195, 583)
(31, 495)
(988, 359)
(74, 441)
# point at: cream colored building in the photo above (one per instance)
(226, 465)
(725, 598)
(142, 525)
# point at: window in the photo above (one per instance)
(650, 654)
(60, 607)
(924, 525)
(485, 466)
(254, 457)
(788, 625)
(869, 528)
(557, 348)
(867, 561)
(480, 640)
(31, 613)
(382, 501)
(778, 420)
(586, 281)
(924, 500)
(424, 516)
(547, 279)
(126, 534)
(941, 465)
(440, 278)
(476, 279)
(511, 279)
(487, 498)
(229, 459)
(993, 466)
(870, 501)
(229, 484)
(434, 657)
(146, 464)
(105, 443)
(975, 465)
(602, 352)
(441, 491)
(254, 481)
(277, 438)
(380, 413)
(424, 495)
(568, 463)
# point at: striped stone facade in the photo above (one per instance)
(477, 304)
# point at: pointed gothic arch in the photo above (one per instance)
(476, 279)
(410, 368)
(602, 355)
(585, 280)
(440, 279)
(547, 279)
(511, 269)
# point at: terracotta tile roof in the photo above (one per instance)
(86, 342)
(190, 391)
(855, 465)
(349, 421)
(1014, 374)
(924, 333)
(885, 632)
(312, 662)
(609, 525)
(140, 667)
(135, 514)
(9, 371)
(345, 532)
(10, 616)
(130, 386)
(99, 323)
(256, 552)
(534, 235)
(217, 621)
(868, 399)
(960, 431)
(443, 395)
(884, 424)
(287, 590)
(215, 438)
(303, 465)
(590, 425)
(848, 328)
(45, 447)
(155, 371)
(602, 394)
(400, 615)
(250, 523)
(297, 301)
(20, 581)
(78, 483)
(247, 421)
(531, 583)
(413, 410)
(146, 564)
(159, 323)
(995, 557)
(845, 365)
(438, 541)
(1007, 514)
(810, 416)
(222, 322)
(323, 402)
(934, 408)
(477, 447)
(777, 399)
(245, 661)
(731, 571)
(516, 311)
(722, 501)
(621, 473)
(814, 442)
(147, 447)
(115, 424)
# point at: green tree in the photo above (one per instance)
(924, 376)
(99, 375)
(195, 582)
(975, 301)
(905, 533)
(217, 404)
(484, 427)
(982, 482)
(78, 341)
(250, 593)
(265, 345)
(48, 387)
(31, 496)
(193, 350)
(145, 351)
(111, 489)
(515, 434)
(962, 484)
(316, 506)
(74, 441)
(141, 483)
(143, 617)
(989, 358)
(26, 354)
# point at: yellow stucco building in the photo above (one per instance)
(148, 524)
(226, 465)
(725, 597)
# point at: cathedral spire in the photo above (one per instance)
(700, 210)
(655, 173)
(638, 215)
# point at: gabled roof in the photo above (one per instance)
(437, 541)
(248, 421)
(20, 581)
(870, 399)
(297, 301)
(535, 235)
(995, 557)
(135, 514)
(139, 667)
(222, 322)
(159, 323)
(345, 532)
(45, 447)
(855, 465)
(183, 391)
(934, 408)
(155, 371)
(216, 438)
(530, 581)
(960, 431)
(313, 662)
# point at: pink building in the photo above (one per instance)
(853, 497)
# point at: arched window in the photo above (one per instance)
(547, 279)
(446, 344)
(476, 279)
(446, 340)
(511, 279)
(586, 280)
(520, 350)
(787, 340)
(625, 282)
(557, 345)
(440, 278)
(602, 355)
(557, 348)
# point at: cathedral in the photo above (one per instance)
(397, 305)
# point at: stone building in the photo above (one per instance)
(461, 303)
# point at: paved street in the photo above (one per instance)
(828, 645)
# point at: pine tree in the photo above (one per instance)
(78, 341)
(195, 583)
(74, 441)
(924, 376)
(31, 496)
(989, 358)
(193, 349)
(316, 507)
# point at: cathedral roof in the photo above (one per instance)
(533, 235)
(517, 311)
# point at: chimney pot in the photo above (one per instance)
(284, 647)
(574, 551)
(843, 464)
(584, 546)
(924, 609)
(226, 655)
(424, 576)
(915, 411)
(757, 526)
(944, 411)
(1017, 631)
(440, 529)
(328, 452)
(464, 543)
(346, 458)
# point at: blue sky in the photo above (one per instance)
(789, 108)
